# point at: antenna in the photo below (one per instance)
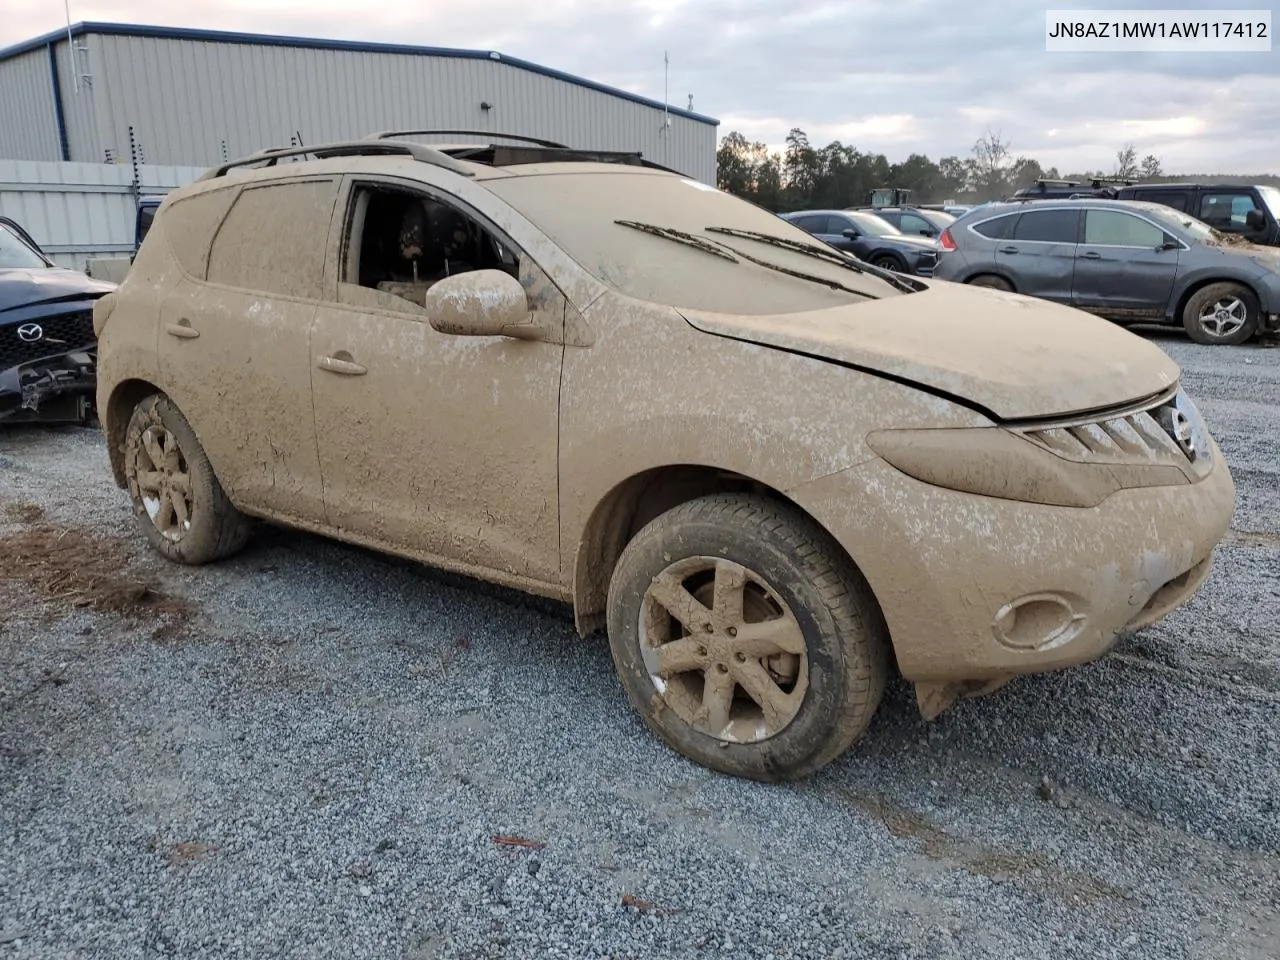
(71, 48)
(666, 86)
(690, 105)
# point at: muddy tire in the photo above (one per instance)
(179, 504)
(777, 659)
(1221, 313)
(991, 281)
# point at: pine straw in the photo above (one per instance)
(70, 567)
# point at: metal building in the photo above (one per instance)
(106, 92)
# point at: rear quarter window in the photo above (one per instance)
(274, 239)
(189, 224)
(997, 228)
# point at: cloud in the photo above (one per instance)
(922, 76)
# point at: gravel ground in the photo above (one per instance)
(307, 751)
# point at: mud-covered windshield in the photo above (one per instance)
(580, 213)
(14, 252)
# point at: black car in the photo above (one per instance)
(1251, 211)
(869, 238)
(913, 221)
(48, 350)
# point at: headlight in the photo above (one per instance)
(995, 462)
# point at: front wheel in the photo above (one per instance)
(745, 638)
(889, 263)
(1224, 313)
(179, 504)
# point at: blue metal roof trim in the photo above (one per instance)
(354, 46)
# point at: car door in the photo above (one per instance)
(1231, 212)
(837, 234)
(442, 445)
(234, 331)
(1123, 267)
(1039, 254)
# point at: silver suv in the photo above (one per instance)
(1128, 261)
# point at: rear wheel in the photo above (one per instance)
(992, 281)
(745, 638)
(177, 500)
(1221, 313)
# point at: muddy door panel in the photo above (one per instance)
(441, 444)
(233, 346)
(237, 367)
(1123, 269)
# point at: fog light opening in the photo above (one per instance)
(1038, 622)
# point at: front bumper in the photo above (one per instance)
(56, 389)
(976, 588)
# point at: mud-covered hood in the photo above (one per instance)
(27, 287)
(1014, 356)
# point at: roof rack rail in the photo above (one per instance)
(352, 148)
(394, 134)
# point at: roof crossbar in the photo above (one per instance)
(352, 148)
(393, 134)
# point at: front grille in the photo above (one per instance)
(1168, 431)
(45, 337)
(1136, 438)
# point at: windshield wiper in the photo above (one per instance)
(679, 236)
(830, 254)
(833, 284)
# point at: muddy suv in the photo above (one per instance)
(773, 471)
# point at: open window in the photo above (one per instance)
(399, 242)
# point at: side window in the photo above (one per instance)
(1226, 211)
(838, 225)
(190, 223)
(1048, 226)
(917, 226)
(891, 217)
(812, 224)
(997, 228)
(1169, 198)
(274, 239)
(1116, 229)
(401, 242)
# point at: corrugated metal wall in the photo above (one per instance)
(28, 115)
(185, 97)
(81, 210)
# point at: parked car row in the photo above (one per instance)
(1128, 261)
(1252, 211)
(869, 237)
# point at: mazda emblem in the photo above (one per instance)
(30, 332)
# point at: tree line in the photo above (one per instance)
(839, 175)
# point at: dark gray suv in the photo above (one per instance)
(1127, 261)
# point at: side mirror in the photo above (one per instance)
(480, 303)
(928, 233)
(851, 234)
(1255, 220)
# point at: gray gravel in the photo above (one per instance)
(315, 762)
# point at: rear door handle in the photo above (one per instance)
(182, 330)
(1091, 255)
(1008, 249)
(342, 363)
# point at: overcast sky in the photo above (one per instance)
(893, 76)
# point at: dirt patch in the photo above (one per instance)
(1033, 870)
(72, 568)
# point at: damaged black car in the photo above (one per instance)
(48, 351)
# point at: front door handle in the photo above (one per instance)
(1008, 249)
(182, 330)
(1091, 255)
(342, 363)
